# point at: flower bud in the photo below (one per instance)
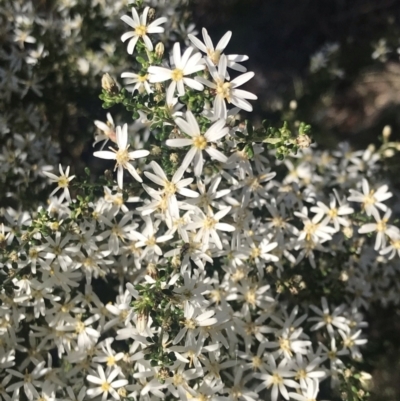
(109, 85)
(386, 132)
(366, 380)
(303, 141)
(160, 49)
(151, 15)
(141, 324)
(348, 231)
(155, 150)
(152, 270)
(389, 153)
(174, 158)
(293, 105)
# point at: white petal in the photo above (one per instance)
(128, 20)
(179, 142)
(241, 79)
(224, 41)
(154, 178)
(193, 84)
(137, 154)
(216, 154)
(198, 43)
(105, 154)
(224, 227)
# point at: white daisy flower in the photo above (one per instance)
(141, 29)
(184, 65)
(176, 185)
(225, 90)
(381, 228)
(371, 200)
(199, 142)
(208, 226)
(108, 131)
(62, 182)
(139, 82)
(214, 53)
(106, 384)
(122, 156)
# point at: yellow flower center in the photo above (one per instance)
(122, 157)
(141, 30)
(310, 228)
(284, 344)
(224, 89)
(214, 55)
(79, 328)
(105, 387)
(143, 78)
(169, 188)
(110, 361)
(255, 253)
(63, 182)
(250, 297)
(190, 324)
(369, 199)
(333, 213)
(177, 75)
(381, 225)
(256, 362)
(276, 379)
(151, 241)
(301, 374)
(209, 223)
(200, 142)
(396, 244)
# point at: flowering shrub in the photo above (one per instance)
(221, 261)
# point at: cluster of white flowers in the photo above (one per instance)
(217, 272)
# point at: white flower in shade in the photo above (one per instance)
(147, 238)
(199, 142)
(393, 248)
(381, 228)
(86, 335)
(351, 341)
(371, 200)
(141, 29)
(334, 213)
(307, 368)
(194, 319)
(207, 199)
(62, 182)
(139, 82)
(214, 54)
(208, 226)
(308, 392)
(184, 65)
(172, 105)
(277, 378)
(29, 380)
(122, 156)
(108, 131)
(227, 90)
(314, 229)
(176, 185)
(106, 384)
(329, 319)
